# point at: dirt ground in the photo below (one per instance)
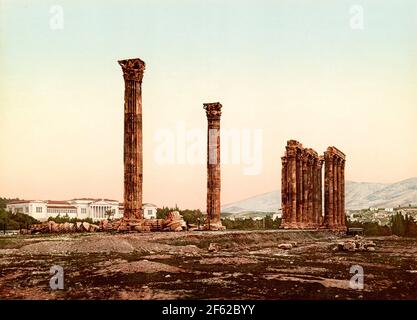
(247, 265)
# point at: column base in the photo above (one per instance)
(298, 226)
(213, 226)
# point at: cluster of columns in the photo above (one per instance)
(213, 113)
(133, 164)
(301, 188)
(334, 189)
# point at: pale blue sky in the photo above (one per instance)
(295, 69)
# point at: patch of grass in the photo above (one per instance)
(11, 243)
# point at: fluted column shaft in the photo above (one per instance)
(285, 207)
(213, 112)
(335, 193)
(304, 218)
(292, 175)
(342, 191)
(133, 165)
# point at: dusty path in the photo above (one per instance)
(247, 265)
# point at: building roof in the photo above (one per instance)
(57, 202)
(62, 207)
(149, 205)
(19, 201)
(95, 199)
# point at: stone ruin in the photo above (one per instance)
(133, 70)
(302, 188)
(213, 221)
(172, 222)
(132, 157)
(301, 192)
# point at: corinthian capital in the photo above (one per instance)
(132, 69)
(213, 110)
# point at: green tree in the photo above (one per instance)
(398, 225)
(15, 221)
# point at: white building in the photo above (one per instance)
(277, 215)
(149, 211)
(81, 208)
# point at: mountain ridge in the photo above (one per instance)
(359, 195)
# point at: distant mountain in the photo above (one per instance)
(359, 195)
(267, 202)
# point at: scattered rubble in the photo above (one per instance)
(213, 247)
(173, 222)
(213, 226)
(356, 244)
(287, 246)
(169, 265)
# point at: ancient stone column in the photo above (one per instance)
(339, 194)
(292, 184)
(314, 168)
(334, 188)
(342, 188)
(304, 219)
(311, 190)
(213, 112)
(300, 187)
(285, 208)
(133, 73)
(320, 190)
(299, 194)
(335, 193)
(328, 193)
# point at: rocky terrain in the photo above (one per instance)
(207, 265)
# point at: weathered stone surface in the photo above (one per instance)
(86, 226)
(285, 246)
(173, 222)
(133, 159)
(301, 188)
(213, 247)
(213, 112)
(93, 228)
(334, 189)
(356, 244)
(349, 246)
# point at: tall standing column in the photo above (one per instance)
(285, 207)
(311, 191)
(304, 219)
(315, 193)
(292, 175)
(213, 112)
(320, 188)
(339, 192)
(334, 188)
(342, 179)
(133, 73)
(335, 193)
(329, 198)
(299, 194)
